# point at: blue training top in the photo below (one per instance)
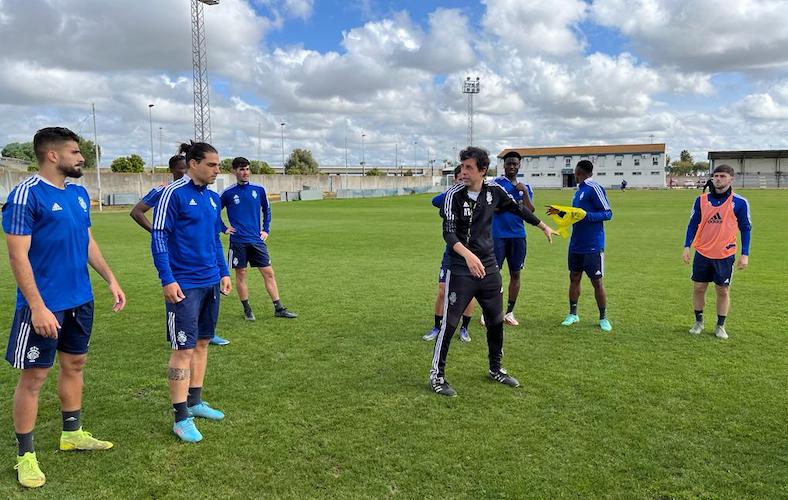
(185, 239)
(244, 203)
(507, 224)
(58, 222)
(741, 209)
(588, 235)
(152, 198)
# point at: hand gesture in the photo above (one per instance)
(475, 265)
(44, 322)
(173, 293)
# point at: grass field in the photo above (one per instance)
(334, 403)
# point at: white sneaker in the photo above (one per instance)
(720, 333)
(481, 320)
(509, 319)
(697, 328)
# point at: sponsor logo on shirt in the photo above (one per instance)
(466, 209)
(236, 199)
(715, 219)
(56, 207)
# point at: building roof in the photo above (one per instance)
(588, 150)
(763, 153)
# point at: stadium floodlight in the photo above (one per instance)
(469, 88)
(202, 106)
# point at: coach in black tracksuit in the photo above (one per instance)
(467, 218)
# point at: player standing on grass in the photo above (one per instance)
(190, 260)
(587, 245)
(178, 168)
(245, 202)
(715, 218)
(437, 202)
(467, 216)
(47, 226)
(509, 231)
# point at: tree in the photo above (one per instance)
(88, 150)
(20, 151)
(226, 165)
(301, 162)
(408, 173)
(700, 167)
(681, 168)
(686, 157)
(375, 172)
(133, 164)
(261, 167)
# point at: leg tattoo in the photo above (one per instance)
(178, 373)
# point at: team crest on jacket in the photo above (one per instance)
(489, 198)
(82, 204)
(254, 194)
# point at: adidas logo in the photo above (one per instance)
(715, 219)
(598, 273)
(192, 202)
(56, 207)
(727, 281)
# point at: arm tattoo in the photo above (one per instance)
(178, 374)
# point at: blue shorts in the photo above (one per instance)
(593, 264)
(193, 318)
(705, 270)
(513, 250)
(253, 254)
(444, 267)
(27, 349)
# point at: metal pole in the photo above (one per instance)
(414, 155)
(160, 137)
(98, 160)
(363, 156)
(259, 133)
(150, 117)
(283, 146)
(396, 158)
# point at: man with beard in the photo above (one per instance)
(715, 218)
(509, 231)
(47, 226)
(178, 169)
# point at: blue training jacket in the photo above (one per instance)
(588, 235)
(245, 203)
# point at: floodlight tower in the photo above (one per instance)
(469, 88)
(202, 106)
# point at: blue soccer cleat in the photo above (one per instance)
(431, 335)
(217, 340)
(605, 325)
(187, 431)
(570, 319)
(204, 410)
(464, 337)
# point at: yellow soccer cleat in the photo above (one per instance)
(81, 440)
(28, 472)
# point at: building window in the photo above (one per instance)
(618, 173)
(535, 174)
(568, 161)
(655, 160)
(600, 160)
(551, 174)
(637, 162)
(551, 161)
(619, 160)
(601, 174)
(644, 155)
(655, 173)
(636, 173)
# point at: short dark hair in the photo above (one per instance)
(586, 166)
(240, 162)
(479, 154)
(196, 150)
(175, 159)
(457, 170)
(512, 154)
(49, 136)
(724, 168)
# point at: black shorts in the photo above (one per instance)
(252, 254)
(593, 264)
(193, 318)
(705, 270)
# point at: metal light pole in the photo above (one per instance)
(396, 158)
(259, 133)
(414, 155)
(98, 159)
(161, 133)
(150, 117)
(469, 88)
(363, 156)
(283, 145)
(202, 106)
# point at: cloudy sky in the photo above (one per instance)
(697, 74)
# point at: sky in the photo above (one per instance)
(699, 75)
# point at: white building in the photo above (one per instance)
(764, 168)
(641, 165)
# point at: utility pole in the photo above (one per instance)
(363, 156)
(98, 159)
(469, 88)
(283, 146)
(161, 133)
(396, 158)
(150, 117)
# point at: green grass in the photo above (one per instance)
(334, 403)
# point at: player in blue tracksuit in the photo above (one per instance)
(178, 169)
(189, 257)
(440, 299)
(245, 202)
(587, 245)
(509, 230)
(50, 245)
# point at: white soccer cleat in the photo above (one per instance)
(720, 333)
(697, 328)
(509, 319)
(481, 320)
